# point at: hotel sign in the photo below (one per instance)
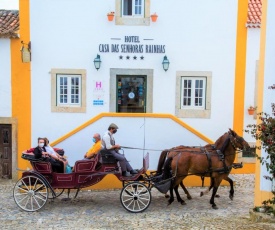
(132, 44)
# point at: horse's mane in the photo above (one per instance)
(220, 139)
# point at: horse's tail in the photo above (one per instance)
(167, 168)
(162, 158)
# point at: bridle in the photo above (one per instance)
(236, 140)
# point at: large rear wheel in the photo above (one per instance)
(135, 197)
(30, 193)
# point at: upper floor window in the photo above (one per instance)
(132, 12)
(193, 93)
(69, 90)
(133, 7)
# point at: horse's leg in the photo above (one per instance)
(210, 187)
(217, 182)
(189, 197)
(170, 201)
(176, 189)
(231, 192)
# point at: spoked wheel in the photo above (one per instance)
(135, 197)
(30, 193)
(58, 192)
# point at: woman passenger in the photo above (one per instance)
(40, 152)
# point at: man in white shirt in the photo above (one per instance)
(108, 142)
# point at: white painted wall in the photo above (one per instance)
(269, 72)
(199, 36)
(5, 78)
(131, 134)
(252, 55)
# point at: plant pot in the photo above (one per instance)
(110, 17)
(251, 111)
(154, 17)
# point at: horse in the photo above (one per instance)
(189, 197)
(206, 161)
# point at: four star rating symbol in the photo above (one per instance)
(128, 57)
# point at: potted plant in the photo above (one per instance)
(111, 16)
(251, 110)
(154, 17)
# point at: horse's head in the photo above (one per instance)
(237, 141)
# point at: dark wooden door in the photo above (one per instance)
(5, 151)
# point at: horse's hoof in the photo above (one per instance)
(201, 194)
(167, 196)
(183, 202)
(189, 197)
(218, 196)
(215, 206)
(231, 197)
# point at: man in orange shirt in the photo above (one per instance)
(95, 148)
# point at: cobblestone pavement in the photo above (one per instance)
(102, 210)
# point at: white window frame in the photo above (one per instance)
(193, 112)
(141, 15)
(193, 90)
(56, 106)
(69, 89)
(142, 19)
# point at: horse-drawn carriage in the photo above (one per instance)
(36, 186)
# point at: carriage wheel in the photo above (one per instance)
(58, 192)
(135, 197)
(30, 193)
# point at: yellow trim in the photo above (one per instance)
(261, 195)
(21, 84)
(148, 115)
(238, 117)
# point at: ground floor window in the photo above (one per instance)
(68, 90)
(193, 94)
(131, 94)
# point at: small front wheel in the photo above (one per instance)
(30, 193)
(135, 197)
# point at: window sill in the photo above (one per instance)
(133, 21)
(193, 113)
(68, 109)
(251, 160)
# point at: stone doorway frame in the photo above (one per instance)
(13, 122)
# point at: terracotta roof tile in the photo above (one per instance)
(9, 24)
(254, 14)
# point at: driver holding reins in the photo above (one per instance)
(108, 143)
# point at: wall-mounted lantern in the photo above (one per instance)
(97, 62)
(26, 52)
(165, 63)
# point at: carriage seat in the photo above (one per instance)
(82, 166)
(39, 164)
(107, 157)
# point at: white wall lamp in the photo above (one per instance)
(165, 63)
(97, 62)
(26, 52)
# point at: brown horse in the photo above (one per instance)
(207, 161)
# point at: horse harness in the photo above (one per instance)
(220, 153)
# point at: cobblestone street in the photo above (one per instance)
(102, 210)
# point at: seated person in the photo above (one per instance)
(40, 151)
(108, 143)
(95, 148)
(54, 154)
